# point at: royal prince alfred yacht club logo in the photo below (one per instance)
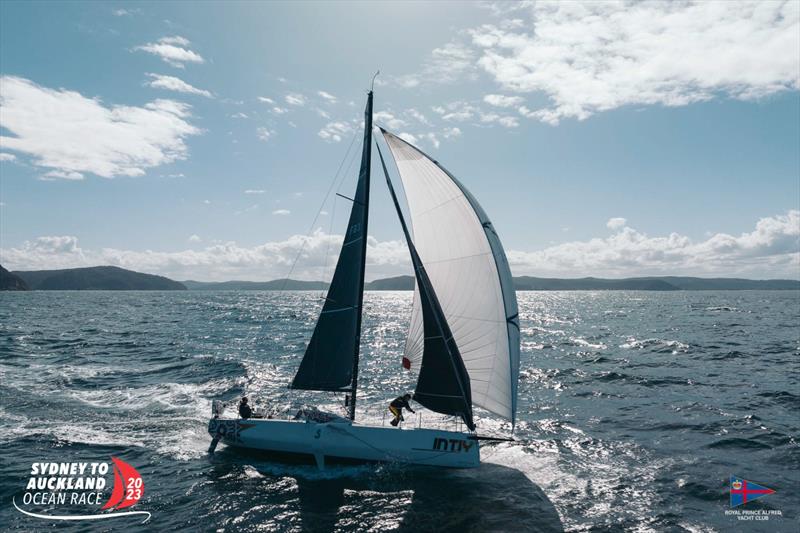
(52, 487)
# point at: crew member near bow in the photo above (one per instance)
(397, 406)
(244, 409)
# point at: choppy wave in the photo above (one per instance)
(632, 408)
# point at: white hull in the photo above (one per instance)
(346, 442)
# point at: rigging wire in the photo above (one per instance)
(316, 217)
(333, 215)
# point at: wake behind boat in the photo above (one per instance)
(463, 339)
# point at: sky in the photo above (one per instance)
(200, 140)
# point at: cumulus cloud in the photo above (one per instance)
(114, 140)
(266, 100)
(264, 134)
(295, 99)
(596, 56)
(7, 157)
(171, 83)
(172, 50)
(61, 175)
(445, 64)
(315, 253)
(254, 191)
(499, 100)
(388, 119)
(281, 212)
(771, 250)
(334, 131)
(328, 97)
(616, 223)
(194, 238)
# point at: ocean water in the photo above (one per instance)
(634, 410)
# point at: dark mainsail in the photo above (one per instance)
(443, 383)
(331, 359)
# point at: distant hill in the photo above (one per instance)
(11, 282)
(397, 283)
(528, 283)
(728, 284)
(106, 278)
(274, 285)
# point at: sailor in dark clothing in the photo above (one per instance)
(244, 409)
(397, 406)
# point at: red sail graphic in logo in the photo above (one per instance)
(128, 486)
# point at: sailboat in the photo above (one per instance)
(463, 338)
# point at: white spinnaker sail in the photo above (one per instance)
(469, 272)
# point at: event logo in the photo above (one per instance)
(743, 491)
(81, 484)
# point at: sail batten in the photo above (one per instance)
(469, 271)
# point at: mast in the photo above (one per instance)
(364, 173)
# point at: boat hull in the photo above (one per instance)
(336, 442)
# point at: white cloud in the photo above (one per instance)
(616, 223)
(444, 65)
(458, 111)
(7, 157)
(124, 12)
(499, 100)
(114, 141)
(295, 99)
(281, 212)
(419, 117)
(195, 238)
(277, 110)
(322, 113)
(207, 202)
(334, 131)
(173, 51)
(596, 56)
(494, 118)
(389, 120)
(171, 83)
(255, 191)
(61, 175)
(264, 134)
(219, 261)
(328, 97)
(451, 132)
(239, 115)
(771, 250)
(266, 100)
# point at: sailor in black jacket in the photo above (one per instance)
(397, 406)
(244, 409)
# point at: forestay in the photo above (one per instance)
(468, 269)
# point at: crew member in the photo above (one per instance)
(244, 408)
(397, 406)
